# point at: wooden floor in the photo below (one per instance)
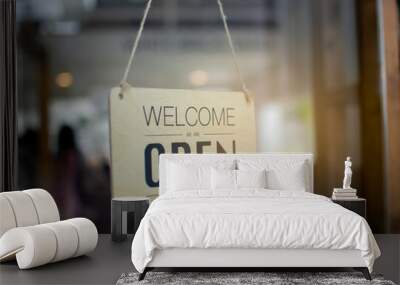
(110, 260)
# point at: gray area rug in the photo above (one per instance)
(225, 278)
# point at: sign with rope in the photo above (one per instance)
(145, 122)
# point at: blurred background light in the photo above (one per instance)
(198, 77)
(64, 80)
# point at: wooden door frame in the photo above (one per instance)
(389, 70)
(8, 96)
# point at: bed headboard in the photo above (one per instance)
(212, 158)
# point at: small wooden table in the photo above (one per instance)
(126, 214)
(357, 205)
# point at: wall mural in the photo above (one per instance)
(146, 122)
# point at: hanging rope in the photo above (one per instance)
(228, 35)
(234, 57)
(136, 43)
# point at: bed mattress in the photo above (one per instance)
(251, 219)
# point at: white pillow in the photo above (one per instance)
(188, 177)
(223, 179)
(251, 178)
(180, 172)
(290, 179)
(281, 174)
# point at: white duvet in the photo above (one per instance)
(250, 218)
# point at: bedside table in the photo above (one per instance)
(126, 214)
(357, 205)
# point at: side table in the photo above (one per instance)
(126, 211)
(357, 205)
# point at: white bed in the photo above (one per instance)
(250, 227)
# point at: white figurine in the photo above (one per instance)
(347, 173)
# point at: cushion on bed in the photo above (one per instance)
(226, 179)
(281, 174)
(251, 178)
(223, 179)
(184, 175)
(292, 179)
(285, 171)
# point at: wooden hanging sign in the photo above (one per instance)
(146, 122)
